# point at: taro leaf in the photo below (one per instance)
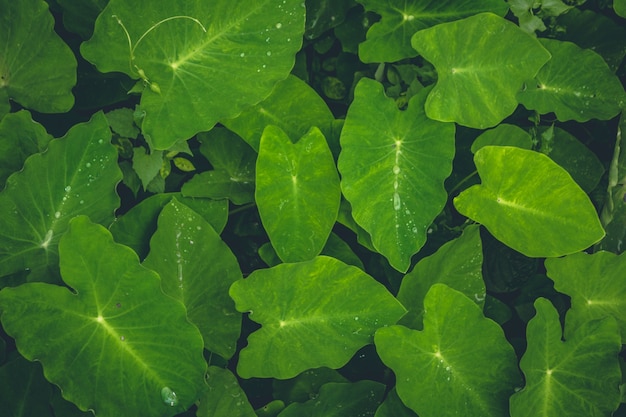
(597, 285)
(37, 69)
(576, 84)
(503, 135)
(390, 39)
(338, 399)
(224, 397)
(116, 316)
(575, 378)
(476, 64)
(202, 61)
(297, 192)
(620, 7)
(197, 268)
(393, 164)
(80, 16)
(136, 226)
(305, 386)
(394, 407)
(24, 391)
(20, 137)
(448, 369)
(293, 106)
(322, 15)
(316, 313)
(76, 175)
(458, 264)
(523, 209)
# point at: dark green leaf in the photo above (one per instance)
(306, 385)
(394, 407)
(24, 392)
(224, 397)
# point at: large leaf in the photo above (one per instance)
(575, 378)
(530, 203)
(448, 368)
(393, 164)
(37, 69)
(116, 343)
(316, 313)
(458, 264)
(197, 268)
(297, 192)
(597, 285)
(77, 175)
(576, 84)
(476, 64)
(202, 61)
(224, 397)
(390, 39)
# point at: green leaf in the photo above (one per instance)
(476, 64)
(122, 122)
(224, 397)
(531, 12)
(393, 164)
(77, 175)
(597, 285)
(338, 399)
(576, 84)
(620, 7)
(503, 135)
(23, 389)
(297, 192)
(578, 377)
(394, 407)
(80, 16)
(37, 69)
(305, 386)
(307, 317)
(448, 369)
(525, 211)
(458, 264)
(197, 268)
(322, 15)
(390, 39)
(147, 165)
(293, 106)
(115, 342)
(202, 61)
(20, 137)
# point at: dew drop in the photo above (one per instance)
(68, 188)
(122, 338)
(242, 54)
(169, 397)
(57, 214)
(396, 169)
(396, 201)
(279, 25)
(269, 53)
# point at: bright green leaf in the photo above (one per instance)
(197, 268)
(597, 285)
(116, 342)
(37, 69)
(393, 164)
(458, 264)
(297, 192)
(576, 84)
(530, 203)
(201, 61)
(390, 39)
(224, 397)
(620, 7)
(575, 378)
(476, 64)
(24, 391)
(308, 317)
(448, 369)
(77, 175)
(503, 135)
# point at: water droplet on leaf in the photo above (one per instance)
(169, 397)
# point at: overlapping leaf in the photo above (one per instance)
(503, 135)
(297, 192)
(576, 84)
(390, 39)
(201, 61)
(578, 377)
(115, 343)
(393, 164)
(476, 64)
(77, 175)
(224, 397)
(523, 209)
(316, 313)
(37, 69)
(448, 368)
(197, 268)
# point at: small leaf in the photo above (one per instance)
(503, 135)
(470, 55)
(576, 84)
(122, 122)
(147, 165)
(448, 369)
(224, 397)
(297, 192)
(312, 322)
(578, 377)
(184, 164)
(520, 208)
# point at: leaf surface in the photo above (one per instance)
(393, 164)
(525, 211)
(115, 342)
(316, 313)
(224, 397)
